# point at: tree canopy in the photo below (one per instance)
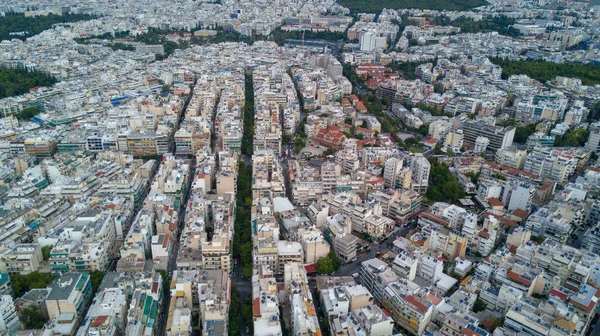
(23, 283)
(17, 81)
(32, 317)
(96, 278)
(522, 133)
(328, 264)
(279, 36)
(545, 71)
(572, 138)
(467, 25)
(362, 6)
(18, 26)
(443, 186)
(26, 114)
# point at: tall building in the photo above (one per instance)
(499, 137)
(9, 321)
(518, 195)
(390, 172)
(511, 157)
(593, 143)
(420, 167)
(367, 41)
(481, 144)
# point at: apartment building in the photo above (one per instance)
(313, 243)
(9, 321)
(70, 294)
(265, 304)
(299, 301)
(420, 167)
(84, 244)
(214, 297)
(499, 137)
(410, 311)
(21, 259)
(144, 305)
(106, 315)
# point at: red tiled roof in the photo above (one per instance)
(559, 294)
(365, 141)
(413, 300)
(517, 278)
(98, 321)
(435, 218)
(590, 305)
(484, 234)
(310, 268)
(495, 202)
(520, 213)
(508, 222)
(256, 307)
(510, 170)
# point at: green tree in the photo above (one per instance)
(522, 133)
(479, 306)
(17, 81)
(96, 278)
(437, 150)
(329, 263)
(545, 71)
(452, 191)
(27, 113)
(32, 317)
(21, 284)
(17, 23)
(572, 138)
(46, 251)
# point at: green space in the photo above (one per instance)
(572, 138)
(236, 316)
(26, 114)
(545, 71)
(29, 26)
(329, 263)
(279, 36)
(594, 113)
(21, 284)
(18, 81)
(248, 136)
(96, 278)
(32, 317)
(407, 69)
(46, 251)
(362, 6)
(154, 36)
(522, 133)
(443, 186)
(242, 239)
(498, 24)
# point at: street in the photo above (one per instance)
(353, 267)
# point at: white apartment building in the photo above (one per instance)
(420, 173)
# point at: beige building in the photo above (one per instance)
(511, 157)
(69, 294)
(288, 252)
(377, 226)
(22, 259)
(313, 243)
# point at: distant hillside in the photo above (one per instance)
(375, 6)
(23, 27)
(14, 82)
